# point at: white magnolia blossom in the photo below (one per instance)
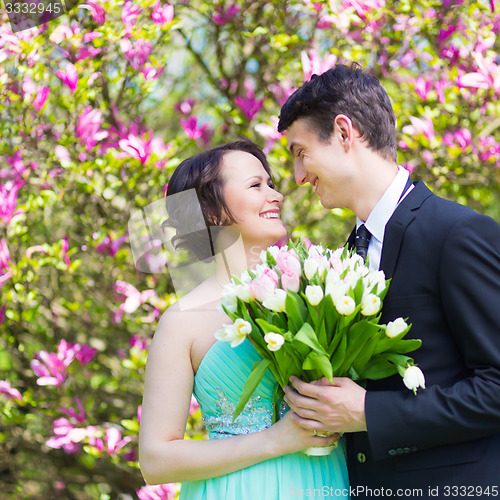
(314, 294)
(394, 328)
(345, 305)
(414, 378)
(370, 305)
(274, 341)
(276, 301)
(235, 334)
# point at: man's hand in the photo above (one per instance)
(321, 406)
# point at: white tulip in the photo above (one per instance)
(236, 333)
(314, 294)
(414, 378)
(345, 305)
(310, 267)
(274, 341)
(243, 293)
(370, 305)
(394, 328)
(276, 301)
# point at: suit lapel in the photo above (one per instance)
(351, 239)
(396, 227)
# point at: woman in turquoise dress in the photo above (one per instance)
(249, 458)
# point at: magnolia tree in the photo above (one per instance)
(97, 108)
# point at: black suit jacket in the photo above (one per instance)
(444, 261)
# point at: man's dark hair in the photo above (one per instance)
(349, 91)
(202, 173)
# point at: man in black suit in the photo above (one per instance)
(444, 261)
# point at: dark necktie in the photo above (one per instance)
(362, 241)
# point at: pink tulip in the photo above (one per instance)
(162, 14)
(69, 77)
(8, 391)
(288, 263)
(290, 282)
(262, 287)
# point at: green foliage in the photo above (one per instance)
(105, 140)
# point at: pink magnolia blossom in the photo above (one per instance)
(63, 155)
(17, 165)
(313, 64)
(85, 354)
(110, 246)
(138, 53)
(50, 368)
(113, 440)
(63, 254)
(8, 391)
(249, 105)
(97, 11)
(2, 314)
(157, 492)
(193, 405)
(88, 129)
(185, 107)
(133, 300)
(490, 149)
(69, 77)
(270, 132)
(190, 126)
(129, 14)
(80, 416)
(139, 342)
(8, 199)
(222, 16)
(5, 260)
(141, 146)
(41, 97)
(282, 91)
(66, 436)
(420, 126)
(162, 14)
(363, 7)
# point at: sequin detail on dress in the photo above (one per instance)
(255, 416)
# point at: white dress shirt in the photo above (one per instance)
(380, 215)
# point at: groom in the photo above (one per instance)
(444, 261)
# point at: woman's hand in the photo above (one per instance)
(289, 437)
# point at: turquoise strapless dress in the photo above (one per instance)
(217, 387)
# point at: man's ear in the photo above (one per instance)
(342, 126)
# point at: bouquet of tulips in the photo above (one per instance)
(313, 312)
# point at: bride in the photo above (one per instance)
(248, 458)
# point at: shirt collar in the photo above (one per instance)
(385, 207)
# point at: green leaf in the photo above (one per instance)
(258, 370)
(296, 310)
(307, 336)
(267, 328)
(319, 362)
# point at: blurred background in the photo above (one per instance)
(99, 106)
